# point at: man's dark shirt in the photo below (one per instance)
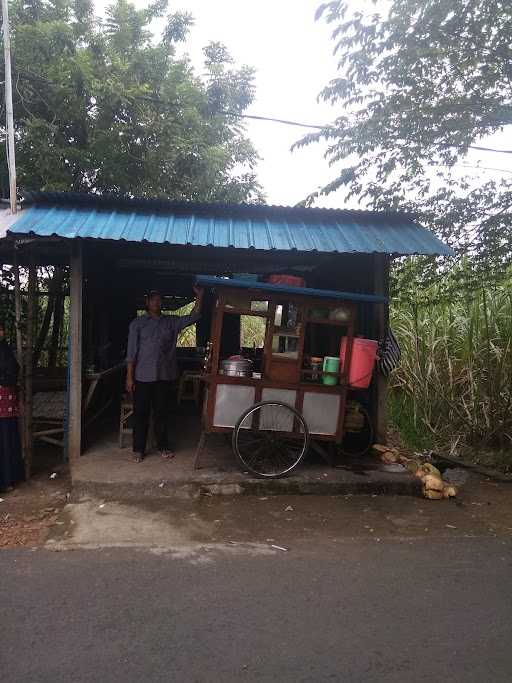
(152, 345)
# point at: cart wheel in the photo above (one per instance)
(358, 443)
(270, 439)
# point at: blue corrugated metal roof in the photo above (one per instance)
(211, 281)
(261, 227)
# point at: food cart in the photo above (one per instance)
(292, 391)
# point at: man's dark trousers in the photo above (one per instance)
(156, 397)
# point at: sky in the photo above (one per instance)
(292, 54)
(293, 57)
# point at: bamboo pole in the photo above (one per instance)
(19, 352)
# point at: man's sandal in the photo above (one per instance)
(167, 454)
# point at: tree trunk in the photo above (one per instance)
(54, 287)
(58, 316)
(43, 330)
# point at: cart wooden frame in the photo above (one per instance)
(285, 376)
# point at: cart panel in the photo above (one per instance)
(288, 396)
(230, 402)
(286, 422)
(321, 412)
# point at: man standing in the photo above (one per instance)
(151, 369)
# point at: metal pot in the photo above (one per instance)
(340, 314)
(236, 368)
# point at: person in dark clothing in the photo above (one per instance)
(151, 369)
(12, 469)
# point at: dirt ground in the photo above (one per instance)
(28, 512)
(40, 510)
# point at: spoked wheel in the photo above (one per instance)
(270, 439)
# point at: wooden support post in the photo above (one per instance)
(17, 308)
(75, 353)
(381, 288)
(29, 365)
(19, 349)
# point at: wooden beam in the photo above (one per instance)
(19, 350)
(75, 353)
(381, 288)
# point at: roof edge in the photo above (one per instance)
(209, 208)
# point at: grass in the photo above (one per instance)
(413, 434)
(453, 390)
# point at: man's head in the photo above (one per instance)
(154, 302)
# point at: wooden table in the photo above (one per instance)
(49, 427)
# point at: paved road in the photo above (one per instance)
(354, 610)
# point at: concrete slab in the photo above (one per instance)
(108, 472)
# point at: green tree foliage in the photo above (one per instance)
(420, 83)
(104, 105)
